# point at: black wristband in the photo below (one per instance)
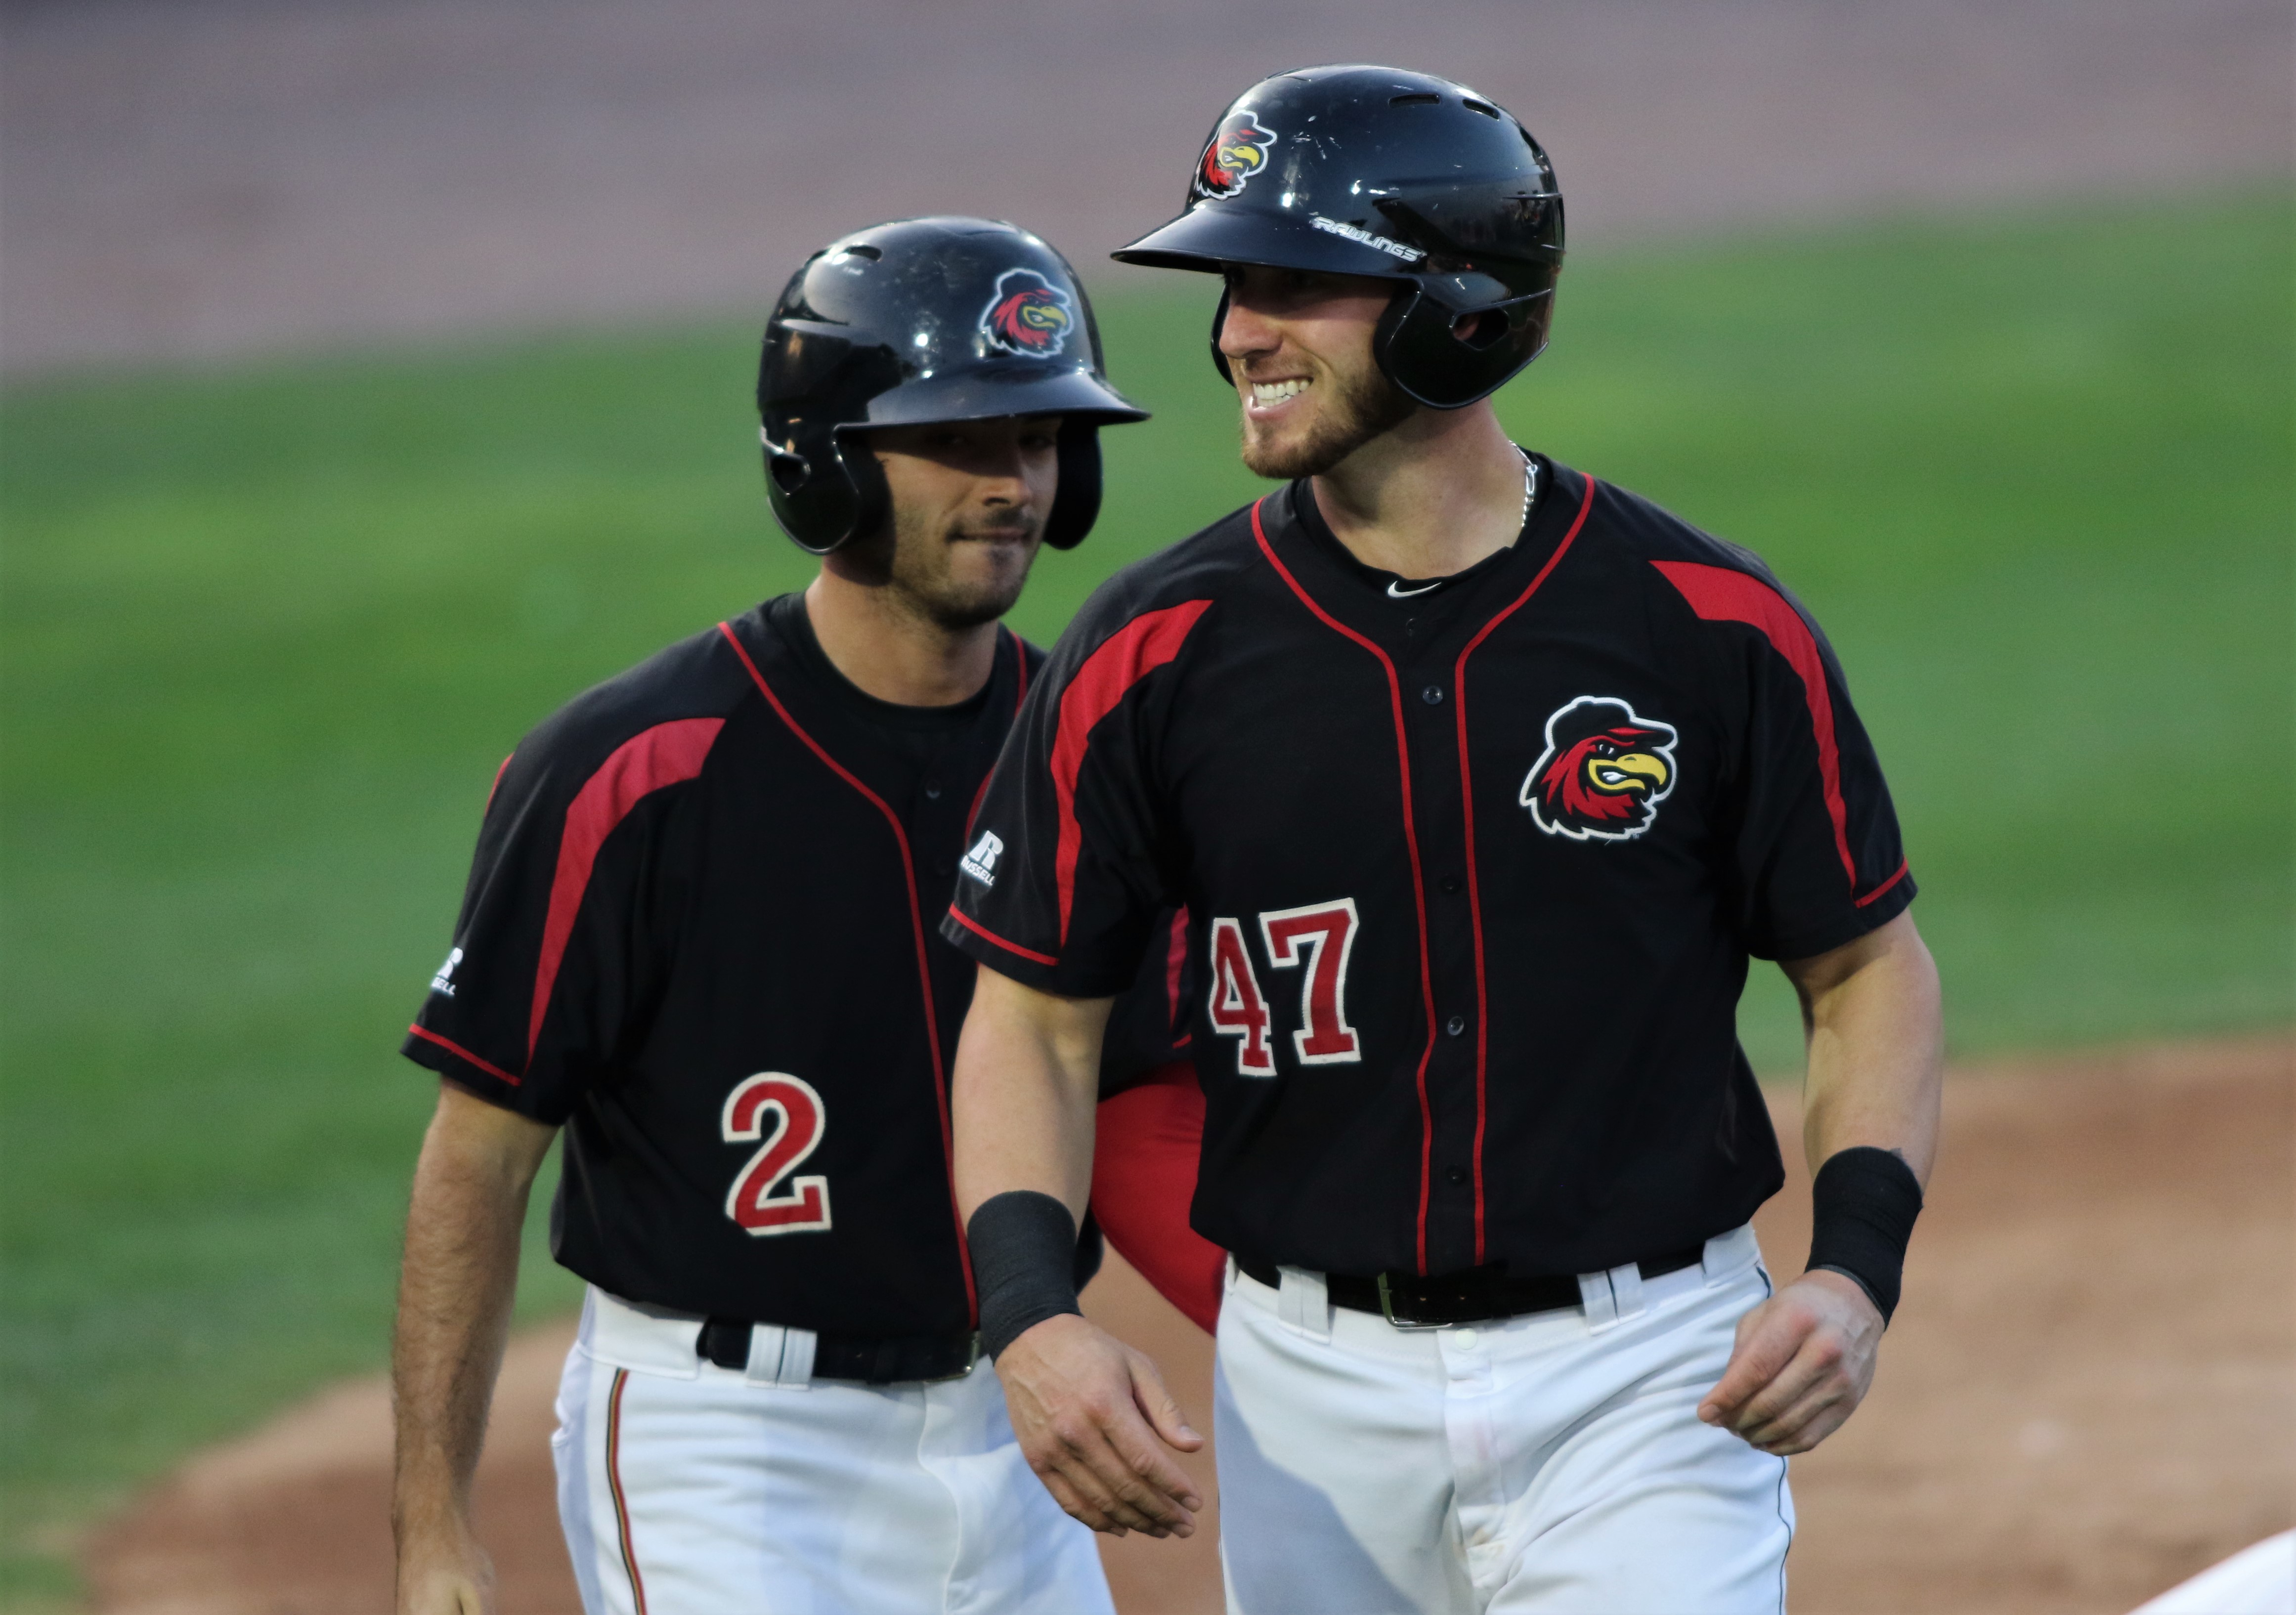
(1024, 1252)
(1861, 1211)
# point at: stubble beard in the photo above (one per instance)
(924, 583)
(1361, 407)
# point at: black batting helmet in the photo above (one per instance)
(920, 321)
(1372, 170)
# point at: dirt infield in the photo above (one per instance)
(2087, 1398)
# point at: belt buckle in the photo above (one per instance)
(1387, 1308)
(972, 1361)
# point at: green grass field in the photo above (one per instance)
(267, 632)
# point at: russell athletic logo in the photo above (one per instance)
(1604, 772)
(444, 981)
(1028, 315)
(980, 863)
(1237, 152)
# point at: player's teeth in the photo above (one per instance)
(1275, 392)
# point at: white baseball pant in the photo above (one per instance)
(689, 1490)
(1551, 1463)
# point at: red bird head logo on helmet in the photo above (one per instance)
(1028, 314)
(1237, 152)
(1604, 772)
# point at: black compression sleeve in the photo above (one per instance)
(1024, 1253)
(1863, 1207)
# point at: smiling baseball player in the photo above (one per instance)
(1480, 780)
(698, 938)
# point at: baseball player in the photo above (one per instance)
(698, 938)
(1481, 780)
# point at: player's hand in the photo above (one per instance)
(446, 1579)
(1803, 1361)
(1090, 1413)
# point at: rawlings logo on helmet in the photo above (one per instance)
(1028, 314)
(1604, 772)
(1237, 152)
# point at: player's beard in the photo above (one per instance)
(1357, 408)
(936, 573)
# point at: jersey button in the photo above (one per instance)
(932, 794)
(1456, 1025)
(1432, 695)
(1451, 884)
(1457, 1176)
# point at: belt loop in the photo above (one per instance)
(780, 1356)
(1594, 1295)
(1627, 1290)
(1303, 1304)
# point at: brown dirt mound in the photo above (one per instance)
(2087, 1400)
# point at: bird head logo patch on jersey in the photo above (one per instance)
(1028, 315)
(1604, 772)
(1237, 152)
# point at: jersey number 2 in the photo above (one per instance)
(765, 1198)
(1321, 936)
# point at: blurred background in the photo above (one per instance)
(374, 375)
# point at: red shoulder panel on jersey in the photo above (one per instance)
(1129, 655)
(661, 756)
(1718, 594)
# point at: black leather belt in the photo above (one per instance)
(897, 1360)
(1473, 1295)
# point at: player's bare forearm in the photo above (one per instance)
(1876, 1033)
(1805, 1358)
(1025, 1092)
(1091, 1415)
(456, 1282)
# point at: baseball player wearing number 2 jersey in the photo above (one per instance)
(1481, 780)
(697, 936)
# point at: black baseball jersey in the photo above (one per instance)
(700, 933)
(1474, 867)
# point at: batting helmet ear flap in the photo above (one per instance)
(1075, 502)
(1420, 349)
(826, 492)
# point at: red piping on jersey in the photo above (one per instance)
(1128, 655)
(614, 1484)
(978, 930)
(1474, 888)
(460, 1052)
(916, 928)
(1411, 844)
(1718, 594)
(663, 754)
(501, 768)
(1884, 886)
(1175, 960)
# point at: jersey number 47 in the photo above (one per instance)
(1321, 936)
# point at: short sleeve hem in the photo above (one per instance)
(1845, 928)
(479, 1078)
(1026, 966)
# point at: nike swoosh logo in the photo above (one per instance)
(1395, 594)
